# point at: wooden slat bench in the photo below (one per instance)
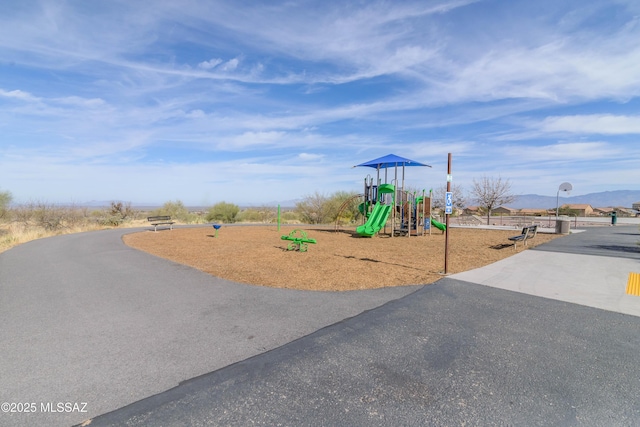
(527, 233)
(160, 220)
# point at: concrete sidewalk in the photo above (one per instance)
(589, 268)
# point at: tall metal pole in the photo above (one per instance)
(446, 230)
(278, 218)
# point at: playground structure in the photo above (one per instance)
(410, 213)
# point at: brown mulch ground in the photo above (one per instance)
(340, 261)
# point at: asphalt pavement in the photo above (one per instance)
(87, 320)
(135, 334)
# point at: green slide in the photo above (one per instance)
(376, 221)
(438, 225)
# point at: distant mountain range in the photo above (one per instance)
(619, 198)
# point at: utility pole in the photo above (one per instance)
(446, 214)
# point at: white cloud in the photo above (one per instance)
(287, 84)
(196, 114)
(601, 124)
(80, 102)
(310, 157)
(568, 152)
(252, 139)
(212, 63)
(18, 94)
(230, 65)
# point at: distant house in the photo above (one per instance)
(471, 210)
(608, 211)
(626, 212)
(503, 210)
(580, 209)
(636, 206)
(603, 211)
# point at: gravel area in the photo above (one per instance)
(339, 261)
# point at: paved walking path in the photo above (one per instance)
(88, 319)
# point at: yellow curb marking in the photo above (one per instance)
(633, 284)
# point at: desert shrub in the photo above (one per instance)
(289, 217)
(5, 201)
(21, 214)
(51, 217)
(264, 214)
(320, 209)
(113, 216)
(312, 208)
(223, 212)
(75, 217)
(177, 211)
(123, 210)
(35, 220)
(349, 213)
(248, 215)
(48, 216)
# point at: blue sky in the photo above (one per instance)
(260, 102)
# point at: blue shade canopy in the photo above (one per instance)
(390, 161)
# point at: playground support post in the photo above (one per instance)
(430, 209)
(410, 200)
(446, 231)
(424, 210)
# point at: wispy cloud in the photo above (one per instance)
(310, 157)
(310, 88)
(18, 94)
(599, 124)
(212, 63)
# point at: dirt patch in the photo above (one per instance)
(340, 261)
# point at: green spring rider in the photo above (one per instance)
(299, 241)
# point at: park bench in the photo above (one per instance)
(299, 241)
(527, 233)
(160, 220)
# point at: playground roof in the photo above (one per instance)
(390, 161)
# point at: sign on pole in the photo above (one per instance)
(448, 210)
(448, 206)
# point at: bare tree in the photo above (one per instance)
(439, 194)
(491, 193)
(317, 208)
(312, 208)
(123, 210)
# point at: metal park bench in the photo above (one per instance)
(527, 233)
(160, 220)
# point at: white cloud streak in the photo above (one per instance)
(312, 81)
(599, 124)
